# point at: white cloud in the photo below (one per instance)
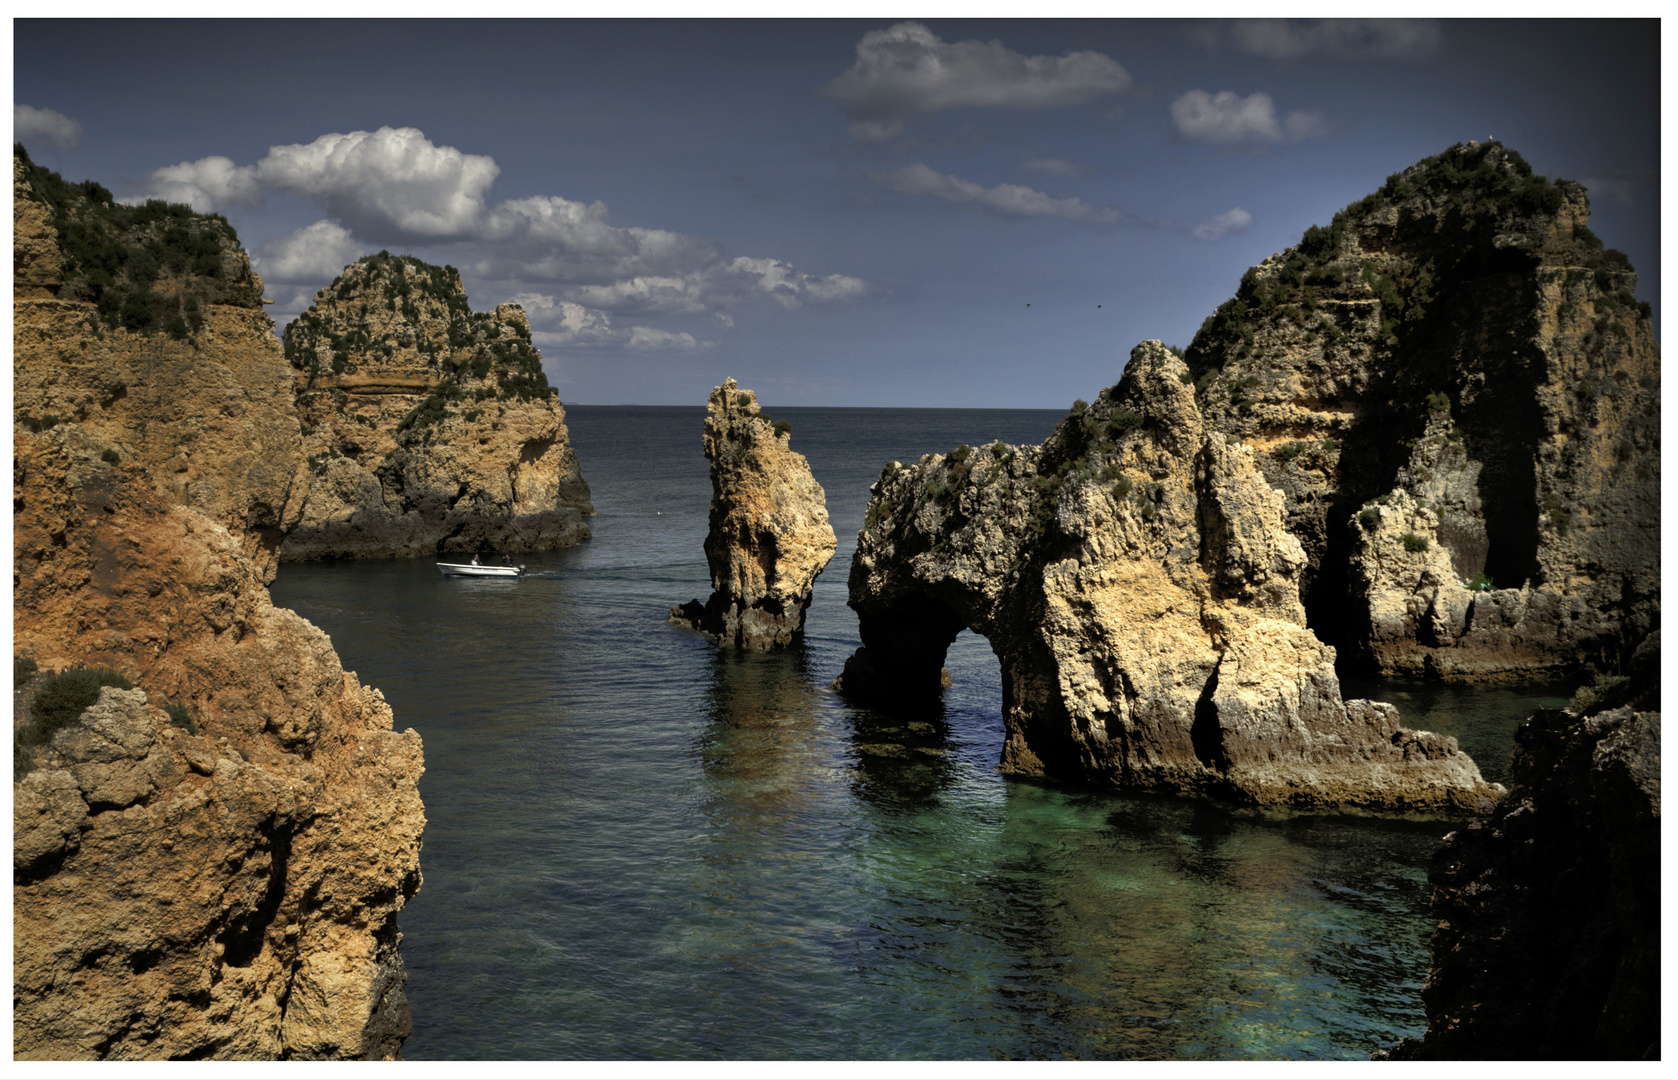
(1231, 221)
(908, 69)
(668, 294)
(1008, 200)
(30, 123)
(394, 187)
(1288, 39)
(650, 339)
(1059, 168)
(1227, 118)
(208, 185)
(318, 252)
(562, 324)
(389, 180)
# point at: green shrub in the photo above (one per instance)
(999, 450)
(1122, 421)
(1586, 697)
(1121, 487)
(23, 669)
(1288, 451)
(181, 717)
(783, 427)
(1438, 402)
(64, 697)
(959, 454)
(1369, 517)
(1479, 583)
(111, 456)
(1414, 543)
(1560, 516)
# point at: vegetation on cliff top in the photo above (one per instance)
(1468, 211)
(148, 268)
(479, 356)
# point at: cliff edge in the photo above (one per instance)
(208, 864)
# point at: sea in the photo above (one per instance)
(641, 847)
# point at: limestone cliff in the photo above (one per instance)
(209, 865)
(428, 427)
(1461, 337)
(1548, 942)
(142, 328)
(1135, 579)
(769, 535)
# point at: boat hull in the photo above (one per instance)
(468, 570)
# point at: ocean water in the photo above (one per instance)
(640, 847)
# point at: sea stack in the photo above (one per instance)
(428, 427)
(209, 862)
(1134, 577)
(769, 535)
(1455, 363)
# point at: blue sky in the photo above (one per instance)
(834, 212)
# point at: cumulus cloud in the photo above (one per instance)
(908, 69)
(1059, 168)
(1227, 118)
(1007, 200)
(49, 125)
(650, 339)
(320, 251)
(394, 187)
(208, 185)
(1231, 221)
(1288, 39)
(389, 180)
(559, 323)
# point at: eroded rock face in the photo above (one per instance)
(1462, 337)
(208, 415)
(232, 892)
(1136, 580)
(769, 535)
(1549, 908)
(428, 427)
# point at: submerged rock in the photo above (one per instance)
(1136, 581)
(1459, 337)
(1549, 908)
(428, 427)
(769, 535)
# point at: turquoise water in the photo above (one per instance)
(641, 847)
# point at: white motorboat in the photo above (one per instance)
(474, 569)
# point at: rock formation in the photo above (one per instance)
(1134, 577)
(146, 338)
(769, 535)
(209, 865)
(1462, 338)
(1548, 943)
(428, 427)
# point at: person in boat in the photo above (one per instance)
(474, 558)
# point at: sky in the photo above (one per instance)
(869, 212)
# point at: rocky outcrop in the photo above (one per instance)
(1134, 576)
(428, 427)
(769, 535)
(1549, 908)
(1463, 338)
(148, 340)
(209, 865)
